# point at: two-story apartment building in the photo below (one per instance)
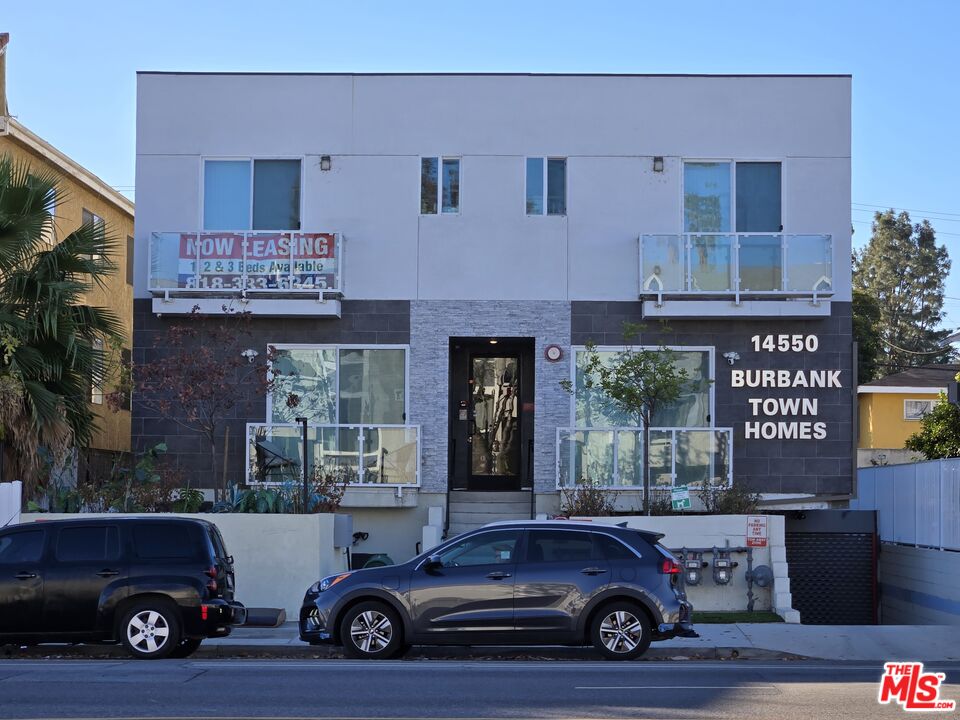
(428, 255)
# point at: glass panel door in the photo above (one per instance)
(495, 414)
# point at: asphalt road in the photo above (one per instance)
(440, 689)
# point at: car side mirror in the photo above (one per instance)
(433, 562)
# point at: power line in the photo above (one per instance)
(926, 217)
(939, 232)
(892, 207)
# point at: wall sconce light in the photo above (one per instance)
(324, 162)
(658, 163)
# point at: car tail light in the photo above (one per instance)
(669, 566)
(212, 573)
(203, 612)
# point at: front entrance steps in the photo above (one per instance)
(470, 510)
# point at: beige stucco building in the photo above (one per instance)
(85, 198)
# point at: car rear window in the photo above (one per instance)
(613, 549)
(90, 544)
(166, 541)
(559, 546)
(218, 545)
(21, 547)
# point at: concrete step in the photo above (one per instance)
(504, 508)
(469, 496)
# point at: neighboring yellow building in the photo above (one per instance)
(86, 198)
(891, 409)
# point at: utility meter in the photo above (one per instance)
(722, 566)
(693, 568)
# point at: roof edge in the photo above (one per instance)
(36, 143)
(499, 74)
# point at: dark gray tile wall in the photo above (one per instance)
(361, 322)
(771, 466)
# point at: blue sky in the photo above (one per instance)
(71, 68)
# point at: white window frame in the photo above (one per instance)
(711, 350)
(440, 159)
(566, 184)
(337, 348)
(930, 402)
(732, 163)
(97, 388)
(250, 160)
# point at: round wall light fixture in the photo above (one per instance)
(553, 353)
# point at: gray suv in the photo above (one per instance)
(510, 583)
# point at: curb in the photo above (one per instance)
(423, 654)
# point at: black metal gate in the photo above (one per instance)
(832, 560)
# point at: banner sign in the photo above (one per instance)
(257, 261)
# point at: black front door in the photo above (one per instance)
(491, 415)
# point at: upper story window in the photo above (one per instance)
(96, 379)
(548, 174)
(917, 409)
(723, 197)
(439, 185)
(129, 260)
(90, 218)
(251, 195)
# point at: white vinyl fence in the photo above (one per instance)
(10, 502)
(917, 503)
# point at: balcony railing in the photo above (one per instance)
(736, 265)
(238, 263)
(366, 454)
(613, 457)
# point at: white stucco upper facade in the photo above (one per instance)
(376, 128)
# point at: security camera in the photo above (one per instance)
(731, 357)
(250, 354)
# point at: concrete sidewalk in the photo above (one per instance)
(761, 640)
(873, 643)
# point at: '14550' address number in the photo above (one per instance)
(785, 343)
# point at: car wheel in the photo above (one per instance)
(150, 630)
(186, 648)
(371, 631)
(621, 631)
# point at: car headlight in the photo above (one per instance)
(327, 583)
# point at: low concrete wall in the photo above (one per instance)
(276, 557)
(707, 531)
(919, 586)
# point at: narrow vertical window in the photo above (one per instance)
(90, 218)
(556, 186)
(534, 186)
(546, 186)
(451, 185)
(97, 366)
(226, 195)
(276, 194)
(129, 260)
(706, 197)
(429, 171)
(758, 197)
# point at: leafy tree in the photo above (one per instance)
(48, 354)
(904, 269)
(866, 331)
(939, 434)
(637, 382)
(199, 376)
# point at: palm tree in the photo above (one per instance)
(48, 349)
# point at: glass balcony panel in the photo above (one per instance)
(315, 261)
(711, 263)
(267, 261)
(630, 458)
(661, 458)
(761, 263)
(663, 268)
(276, 453)
(809, 263)
(390, 455)
(338, 451)
(221, 261)
(585, 456)
(702, 455)
(173, 260)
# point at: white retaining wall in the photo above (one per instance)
(709, 530)
(276, 557)
(919, 586)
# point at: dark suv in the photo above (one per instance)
(157, 585)
(516, 583)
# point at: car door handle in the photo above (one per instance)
(498, 575)
(593, 571)
(25, 575)
(108, 573)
